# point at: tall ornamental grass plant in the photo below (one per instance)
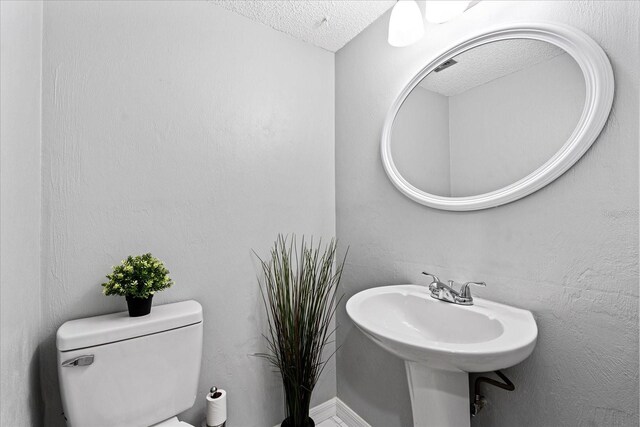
(300, 294)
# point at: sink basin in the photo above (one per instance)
(405, 320)
(441, 342)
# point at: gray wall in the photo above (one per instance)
(186, 130)
(568, 253)
(20, 106)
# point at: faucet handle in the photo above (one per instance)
(433, 276)
(464, 290)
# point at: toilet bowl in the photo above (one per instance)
(121, 371)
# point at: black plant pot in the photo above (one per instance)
(289, 423)
(139, 306)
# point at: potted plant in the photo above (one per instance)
(299, 294)
(137, 278)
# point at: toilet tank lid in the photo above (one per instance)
(109, 328)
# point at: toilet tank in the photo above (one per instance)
(116, 370)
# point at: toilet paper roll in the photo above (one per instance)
(216, 409)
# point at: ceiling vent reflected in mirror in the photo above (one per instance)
(445, 65)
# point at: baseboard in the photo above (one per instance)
(336, 407)
(323, 411)
(350, 418)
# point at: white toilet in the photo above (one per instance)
(121, 371)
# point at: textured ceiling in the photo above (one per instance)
(488, 62)
(303, 20)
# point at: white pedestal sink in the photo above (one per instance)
(441, 343)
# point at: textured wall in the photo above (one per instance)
(186, 130)
(568, 253)
(20, 106)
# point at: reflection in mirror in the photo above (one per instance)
(488, 117)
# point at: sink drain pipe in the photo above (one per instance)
(479, 400)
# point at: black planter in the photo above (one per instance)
(139, 306)
(288, 423)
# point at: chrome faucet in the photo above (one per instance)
(447, 293)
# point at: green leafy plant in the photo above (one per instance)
(299, 292)
(137, 277)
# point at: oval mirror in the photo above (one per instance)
(497, 117)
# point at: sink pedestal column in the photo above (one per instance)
(438, 398)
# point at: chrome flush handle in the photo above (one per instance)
(78, 361)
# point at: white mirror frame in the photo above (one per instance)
(598, 77)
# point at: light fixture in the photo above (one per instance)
(439, 11)
(405, 24)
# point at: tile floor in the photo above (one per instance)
(332, 422)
